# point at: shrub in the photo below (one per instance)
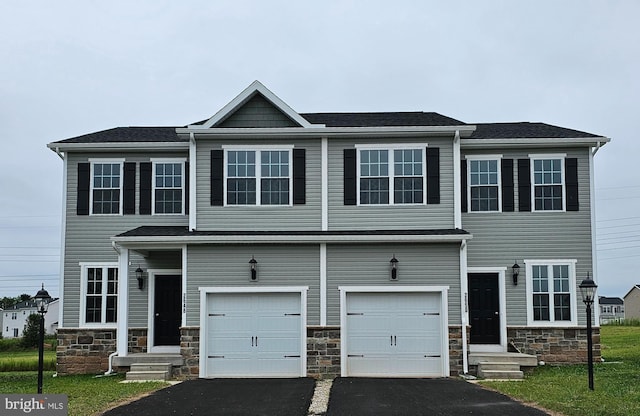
(31, 334)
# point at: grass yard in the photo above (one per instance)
(87, 395)
(565, 389)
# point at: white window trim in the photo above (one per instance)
(83, 294)
(92, 162)
(497, 158)
(572, 288)
(258, 167)
(155, 161)
(390, 148)
(549, 156)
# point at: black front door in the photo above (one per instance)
(484, 308)
(166, 330)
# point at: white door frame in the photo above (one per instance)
(204, 291)
(444, 313)
(502, 301)
(171, 349)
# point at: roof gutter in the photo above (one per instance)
(124, 146)
(534, 142)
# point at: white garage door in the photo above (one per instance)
(394, 334)
(253, 335)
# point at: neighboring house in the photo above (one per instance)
(15, 318)
(632, 303)
(611, 309)
(265, 242)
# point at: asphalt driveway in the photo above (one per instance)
(442, 397)
(229, 397)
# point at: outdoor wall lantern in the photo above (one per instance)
(516, 272)
(42, 299)
(588, 291)
(253, 266)
(394, 268)
(140, 277)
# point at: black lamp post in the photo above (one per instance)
(588, 290)
(42, 299)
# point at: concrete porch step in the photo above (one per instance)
(500, 374)
(147, 375)
(173, 359)
(500, 370)
(149, 371)
(524, 360)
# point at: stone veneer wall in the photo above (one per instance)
(137, 340)
(84, 351)
(555, 345)
(190, 351)
(323, 352)
(455, 349)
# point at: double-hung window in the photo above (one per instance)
(484, 184)
(258, 177)
(391, 176)
(548, 182)
(106, 187)
(551, 292)
(168, 183)
(99, 294)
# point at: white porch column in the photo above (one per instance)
(464, 303)
(122, 335)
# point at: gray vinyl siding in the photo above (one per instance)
(257, 112)
(368, 265)
(278, 265)
(88, 237)
(499, 239)
(354, 217)
(266, 218)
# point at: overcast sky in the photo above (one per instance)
(73, 67)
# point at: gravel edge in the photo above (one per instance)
(320, 399)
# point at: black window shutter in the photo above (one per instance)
(524, 185)
(463, 185)
(129, 188)
(186, 188)
(350, 177)
(145, 188)
(299, 176)
(217, 175)
(571, 178)
(433, 175)
(82, 204)
(508, 204)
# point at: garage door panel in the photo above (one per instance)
(394, 334)
(258, 334)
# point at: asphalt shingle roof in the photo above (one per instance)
(177, 231)
(128, 134)
(389, 119)
(381, 119)
(524, 130)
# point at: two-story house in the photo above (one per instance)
(611, 309)
(14, 318)
(263, 242)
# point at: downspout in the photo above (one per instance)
(113, 354)
(594, 250)
(463, 304)
(192, 181)
(457, 199)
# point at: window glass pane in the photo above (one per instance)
(562, 307)
(374, 191)
(274, 191)
(241, 191)
(408, 190)
(483, 183)
(541, 307)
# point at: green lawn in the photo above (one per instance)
(565, 389)
(87, 394)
